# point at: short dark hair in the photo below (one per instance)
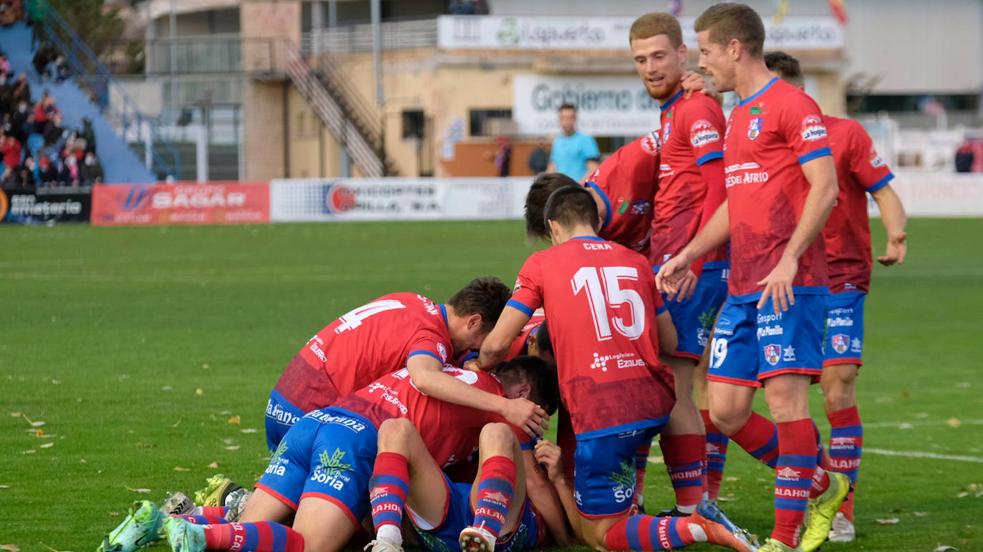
(786, 66)
(544, 185)
(541, 377)
(571, 205)
(654, 24)
(485, 296)
(543, 342)
(567, 105)
(728, 21)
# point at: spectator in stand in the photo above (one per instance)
(10, 148)
(539, 159)
(45, 55)
(70, 171)
(574, 153)
(89, 134)
(6, 93)
(4, 64)
(20, 121)
(22, 176)
(965, 158)
(53, 132)
(91, 170)
(21, 91)
(468, 7)
(47, 173)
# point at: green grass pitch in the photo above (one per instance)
(136, 346)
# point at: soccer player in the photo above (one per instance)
(380, 337)
(861, 171)
(501, 509)
(781, 185)
(600, 302)
(320, 472)
(691, 187)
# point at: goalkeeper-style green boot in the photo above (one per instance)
(184, 536)
(138, 529)
(822, 509)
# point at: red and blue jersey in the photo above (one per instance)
(363, 345)
(450, 431)
(601, 304)
(770, 135)
(520, 345)
(692, 135)
(626, 182)
(860, 170)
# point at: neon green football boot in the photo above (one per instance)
(138, 529)
(772, 545)
(822, 509)
(217, 488)
(184, 536)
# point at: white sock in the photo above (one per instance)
(699, 535)
(390, 533)
(686, 509)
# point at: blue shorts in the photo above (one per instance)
(694, 317)
(328, 454)
(444, 538)
(844, 342)
(280, 417)
(604, 471)
(750, 346)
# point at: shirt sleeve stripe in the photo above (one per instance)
(424, 352)
(520, 307)
(815, 154)
(661, 309)
(710, 156)
(880, 183)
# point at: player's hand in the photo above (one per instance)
(472, 365)
(684, 288)
(895, 251)
(778, 285)
(671, 274)
(693, 82)
(547, 454)
(525, 414)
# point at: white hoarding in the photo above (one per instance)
(606, 106)
(397, 199)
(609, 33)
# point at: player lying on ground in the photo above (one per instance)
(781, 186)
(510, 506)
(617, 392)
(380, 337)
(319, 475)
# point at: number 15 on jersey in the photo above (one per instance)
(603, 288)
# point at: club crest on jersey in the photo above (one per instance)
(703, 133)
(840, 343)
(754, 128)
(813, 128)
(640, 207)
(666, 130)
(773, 353)
(650, 143)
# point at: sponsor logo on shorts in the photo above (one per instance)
(332, 471)
(277, 412)
(624, 482)
(789, 354)
(768, 331)
(773, 353)
(768, 318)
(840, 322)
(703, 133)
(347, 422)
(813, 128)
(278, 464)
(855, 345)
(840, 343)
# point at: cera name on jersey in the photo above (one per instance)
(363, 345)
(860, 170)
(770, 135)
(626, 182)
(691, 135)
(600, 302)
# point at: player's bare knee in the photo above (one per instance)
(495, 439)
(393, 432)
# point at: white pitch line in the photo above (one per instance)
(914, 423)
(919, 454)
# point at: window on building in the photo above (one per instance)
(479, 119)
(414, 123)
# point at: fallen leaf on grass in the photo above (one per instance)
(167, 388)
(232, 447)
(964, 385)
(199, 391)
(944, 548)
(56, 382)
(213, 465)
(141, 490)
(10, 547)
(235, 420)
(963, 494)
(731, 478)
(180, 469)
(920, 514)
(47, 445)
(656, 460)
(15, 414)
(38, 433)
(4, 486)
(177, 423)
(32, 451)
(726, 498)
(248, 430)
(954, 422)
(205, 366)
(905, 426)
(888, 521)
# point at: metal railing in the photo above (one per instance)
(396, 35)
(93, 76)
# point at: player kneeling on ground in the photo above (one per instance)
(510, 506)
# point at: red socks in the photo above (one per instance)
(263, 536)
(795, 466)
(388, 488)
(649, 533)
(684, 455)
(716, 455)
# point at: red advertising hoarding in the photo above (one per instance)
(181, 203)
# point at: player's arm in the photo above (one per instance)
(714, 234)
(543, 496)
(428, 376)
(823, 189)
(496, 346)
(894, 218)
(548, 454)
